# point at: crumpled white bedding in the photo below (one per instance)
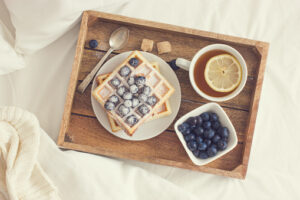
(30, 158)
(273, 168)
(21, 175)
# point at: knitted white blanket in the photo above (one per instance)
(21, 176)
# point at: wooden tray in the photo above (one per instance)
(80, 130)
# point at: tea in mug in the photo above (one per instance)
(199, 72)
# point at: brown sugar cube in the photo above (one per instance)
(164, 47)
(147, 45)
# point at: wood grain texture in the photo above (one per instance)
(88, 131)
(73, 78)
(242, 101)
(80, 130)
(235, 173)
(188, 32)
(262, 48)
(182, 46)
(82, 106)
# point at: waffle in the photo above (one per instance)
(137, 69)
(162, 111)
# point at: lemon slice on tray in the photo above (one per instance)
(223, 73)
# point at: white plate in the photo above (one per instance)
(149, 129)
(224, 120)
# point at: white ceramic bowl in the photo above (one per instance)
(224, 120)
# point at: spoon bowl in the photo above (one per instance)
(118, 39)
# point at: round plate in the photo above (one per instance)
(149, 129)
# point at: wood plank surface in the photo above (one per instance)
(82, 106)
(242, 101)
(182, 46)
(165, 147)
(80, 129)
(73, 78)
(263, 49)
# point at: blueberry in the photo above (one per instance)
(146, 90)
(128, 103)
(215, 125)
(183, 127)
(191, 121)
(216, 138)
(143, 109)
(223, 132)
(133, 88)
(142, 98)
(203, 155)
(214, 145)
(222, 144)
(152, 100)
(212, 151)
(93, 44)
(196, 153)
(115, 82)
(131, 120)
(187, 132)
(192, 145)
(192, 136)
(202, 146)
(123, 110)
(114, 99)
(206, 124)
(134, 62)
(127, 95)
(207, 142)
(199, 130)
(109, 105)
(124, 71)
(121, 90)
(135, 102)
(193, 127)
(140, 81)
(199, 139)
(199, 120)
(209, 133)
(130, 80)
(205, 116)
(173, 65)
(213, 117)
(189, 137)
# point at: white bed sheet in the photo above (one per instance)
(275, 157)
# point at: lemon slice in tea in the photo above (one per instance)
(223, 73)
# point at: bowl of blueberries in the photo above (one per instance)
(206, 133)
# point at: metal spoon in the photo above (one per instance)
(117, 40)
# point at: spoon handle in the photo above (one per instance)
(83, 85)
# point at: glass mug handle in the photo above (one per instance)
(183, 63)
